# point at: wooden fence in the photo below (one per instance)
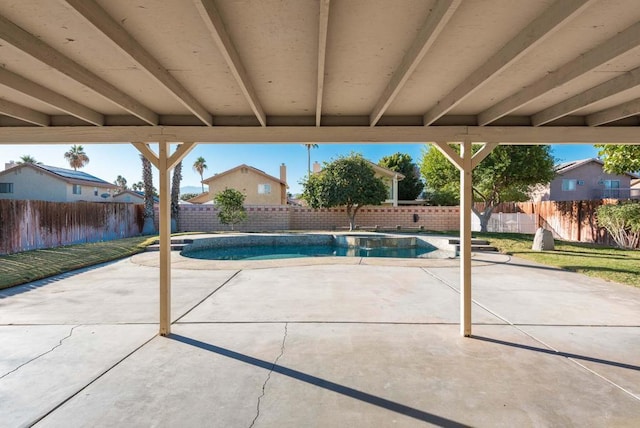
(30, 225)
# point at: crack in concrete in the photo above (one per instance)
(43, 354)
(264, 385)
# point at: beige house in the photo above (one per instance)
(131, 197)
(586, 180)
(50, 183)
(388, 176)
(258, 187)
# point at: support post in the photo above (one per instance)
(466, 201)
(395, 190)
(165, 239)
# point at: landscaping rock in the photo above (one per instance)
(543, 240)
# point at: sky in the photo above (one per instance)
(108, 161)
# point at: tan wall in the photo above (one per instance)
(203, 218)
(90, 193)
(34, 185)
(247, 183)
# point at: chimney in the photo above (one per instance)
(11, 164)
(316, 167)
(283, 173)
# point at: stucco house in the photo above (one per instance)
(388, 176)
(258, 187)
(50, 183)
(586, 180)
(131, 196)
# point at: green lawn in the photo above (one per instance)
(32, 265)
(611, 264)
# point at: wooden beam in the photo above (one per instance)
(17, 111)
(561, 12)
(321, 135)
(165, 238)
(479, 156)
(322, 53)
(44, 53)
(183, 150)
(49, 97)
(450, 154)
(147, 153)
(215, 25)
(466, 203)
(613, 48)
(626, 81)
(101, 20)
(436, 21)
(612, 114)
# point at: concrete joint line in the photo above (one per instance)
(43, 354)
(264, 385)
(207, 296)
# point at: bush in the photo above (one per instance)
(230, 202)
(622, 222)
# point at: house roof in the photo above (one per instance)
(565, 167)
(386, 171)
(135, 193)
(232, 170)
(68, 175)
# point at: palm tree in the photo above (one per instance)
(28, 159)
(121, 182)
(309, 146)
(76, 157)
(199, 166)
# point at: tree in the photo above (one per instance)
(137, 187)
(620, 159)
(121, 182)
(76, 157)
(622, 222)
(187, 196)
(230, 203)
(507, 174)
(199, 166)
(28, 159)
(347, 181)
(149, 214)
(309, 146)
(411, 187)
(175, 194)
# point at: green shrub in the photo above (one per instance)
(622, 222)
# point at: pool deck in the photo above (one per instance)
(320, 342)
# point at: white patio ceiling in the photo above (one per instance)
(320, 71)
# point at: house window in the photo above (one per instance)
(568, 184)
(77, 189)
(6, 187)
(264, 189)
(611, 188)
(95, 191)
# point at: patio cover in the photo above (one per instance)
(319, 71)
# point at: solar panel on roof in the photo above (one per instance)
(69, 173)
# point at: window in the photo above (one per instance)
(95, 191)
(568, 184)
(264, 189)
(6, 187)
(77, 189)
(611, 188)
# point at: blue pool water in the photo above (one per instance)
(268, 252)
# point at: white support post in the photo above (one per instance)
(165, 239)
(466, 201)
(395, 190)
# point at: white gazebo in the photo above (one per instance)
(319, 71)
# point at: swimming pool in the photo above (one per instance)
(268, 247)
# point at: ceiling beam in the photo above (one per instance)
(613, 48)
(100, 19)
(322, 53)
(561, 12)
(33, 46)
(612, 114)
(626, 81)
(17, 111)
(49, 97)
(436, 21)
(215, 25)
(324, 134)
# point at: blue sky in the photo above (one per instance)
(109, 161)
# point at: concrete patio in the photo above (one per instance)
(320, 343)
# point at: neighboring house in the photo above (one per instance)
(586, 180)
(388, 176)
(132, 196)
(635, 185)
(258, 187)
(50, 183)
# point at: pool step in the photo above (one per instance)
(476, 245)
(177, 244)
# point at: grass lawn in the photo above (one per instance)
(37, 264)
(611, 264)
